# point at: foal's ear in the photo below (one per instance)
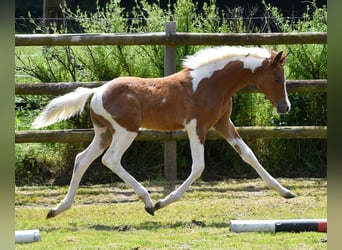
(279, 58)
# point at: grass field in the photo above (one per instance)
(111, 216)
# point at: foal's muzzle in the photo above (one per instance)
(283, 107)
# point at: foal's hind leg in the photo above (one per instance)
(82, 162)
(121, 140)
(226, 128)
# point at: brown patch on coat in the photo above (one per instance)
(237, 148)
(169, 103)
(101, 122)
(153, 103)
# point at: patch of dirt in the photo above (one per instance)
(120, 193)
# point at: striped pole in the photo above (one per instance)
(295, 225)
(27, 236)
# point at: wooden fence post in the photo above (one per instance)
(52, 14)
(170, 147)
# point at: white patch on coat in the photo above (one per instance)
(206, 62)
(96, 103)
(287, 97)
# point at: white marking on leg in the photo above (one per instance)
(197, 153)
(248, 156)
(82, 162)
(121, 140)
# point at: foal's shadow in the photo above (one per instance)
(153, 226)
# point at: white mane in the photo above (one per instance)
(205, 62)
(217, 54)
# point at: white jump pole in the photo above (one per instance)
(27, 236)
(295, 225)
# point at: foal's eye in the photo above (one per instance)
(277, 79)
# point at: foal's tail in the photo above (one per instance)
(63, 107)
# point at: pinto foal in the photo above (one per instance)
(195, 99)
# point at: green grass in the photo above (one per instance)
(111, 216)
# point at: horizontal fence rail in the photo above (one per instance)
(86, 135)
(298, 86)
(172, 39)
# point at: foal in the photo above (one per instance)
(195, 99)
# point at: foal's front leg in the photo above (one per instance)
(197, 153)
(248, 156)
(228, 131)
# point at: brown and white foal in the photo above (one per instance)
(195, 99)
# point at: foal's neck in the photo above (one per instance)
(234, 78)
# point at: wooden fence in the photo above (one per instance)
(60, 88)
(170, 39)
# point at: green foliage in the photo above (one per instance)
(103, 63)
(304, 62)
(32, 165)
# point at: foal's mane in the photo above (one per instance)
(217, 54)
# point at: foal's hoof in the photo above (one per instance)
(150, 210)
(290, 195)
(51, 214)
(157, 206)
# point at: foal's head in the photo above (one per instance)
(271, 81)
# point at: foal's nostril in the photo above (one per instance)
(283, 108)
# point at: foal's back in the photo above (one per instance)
(155, 103)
